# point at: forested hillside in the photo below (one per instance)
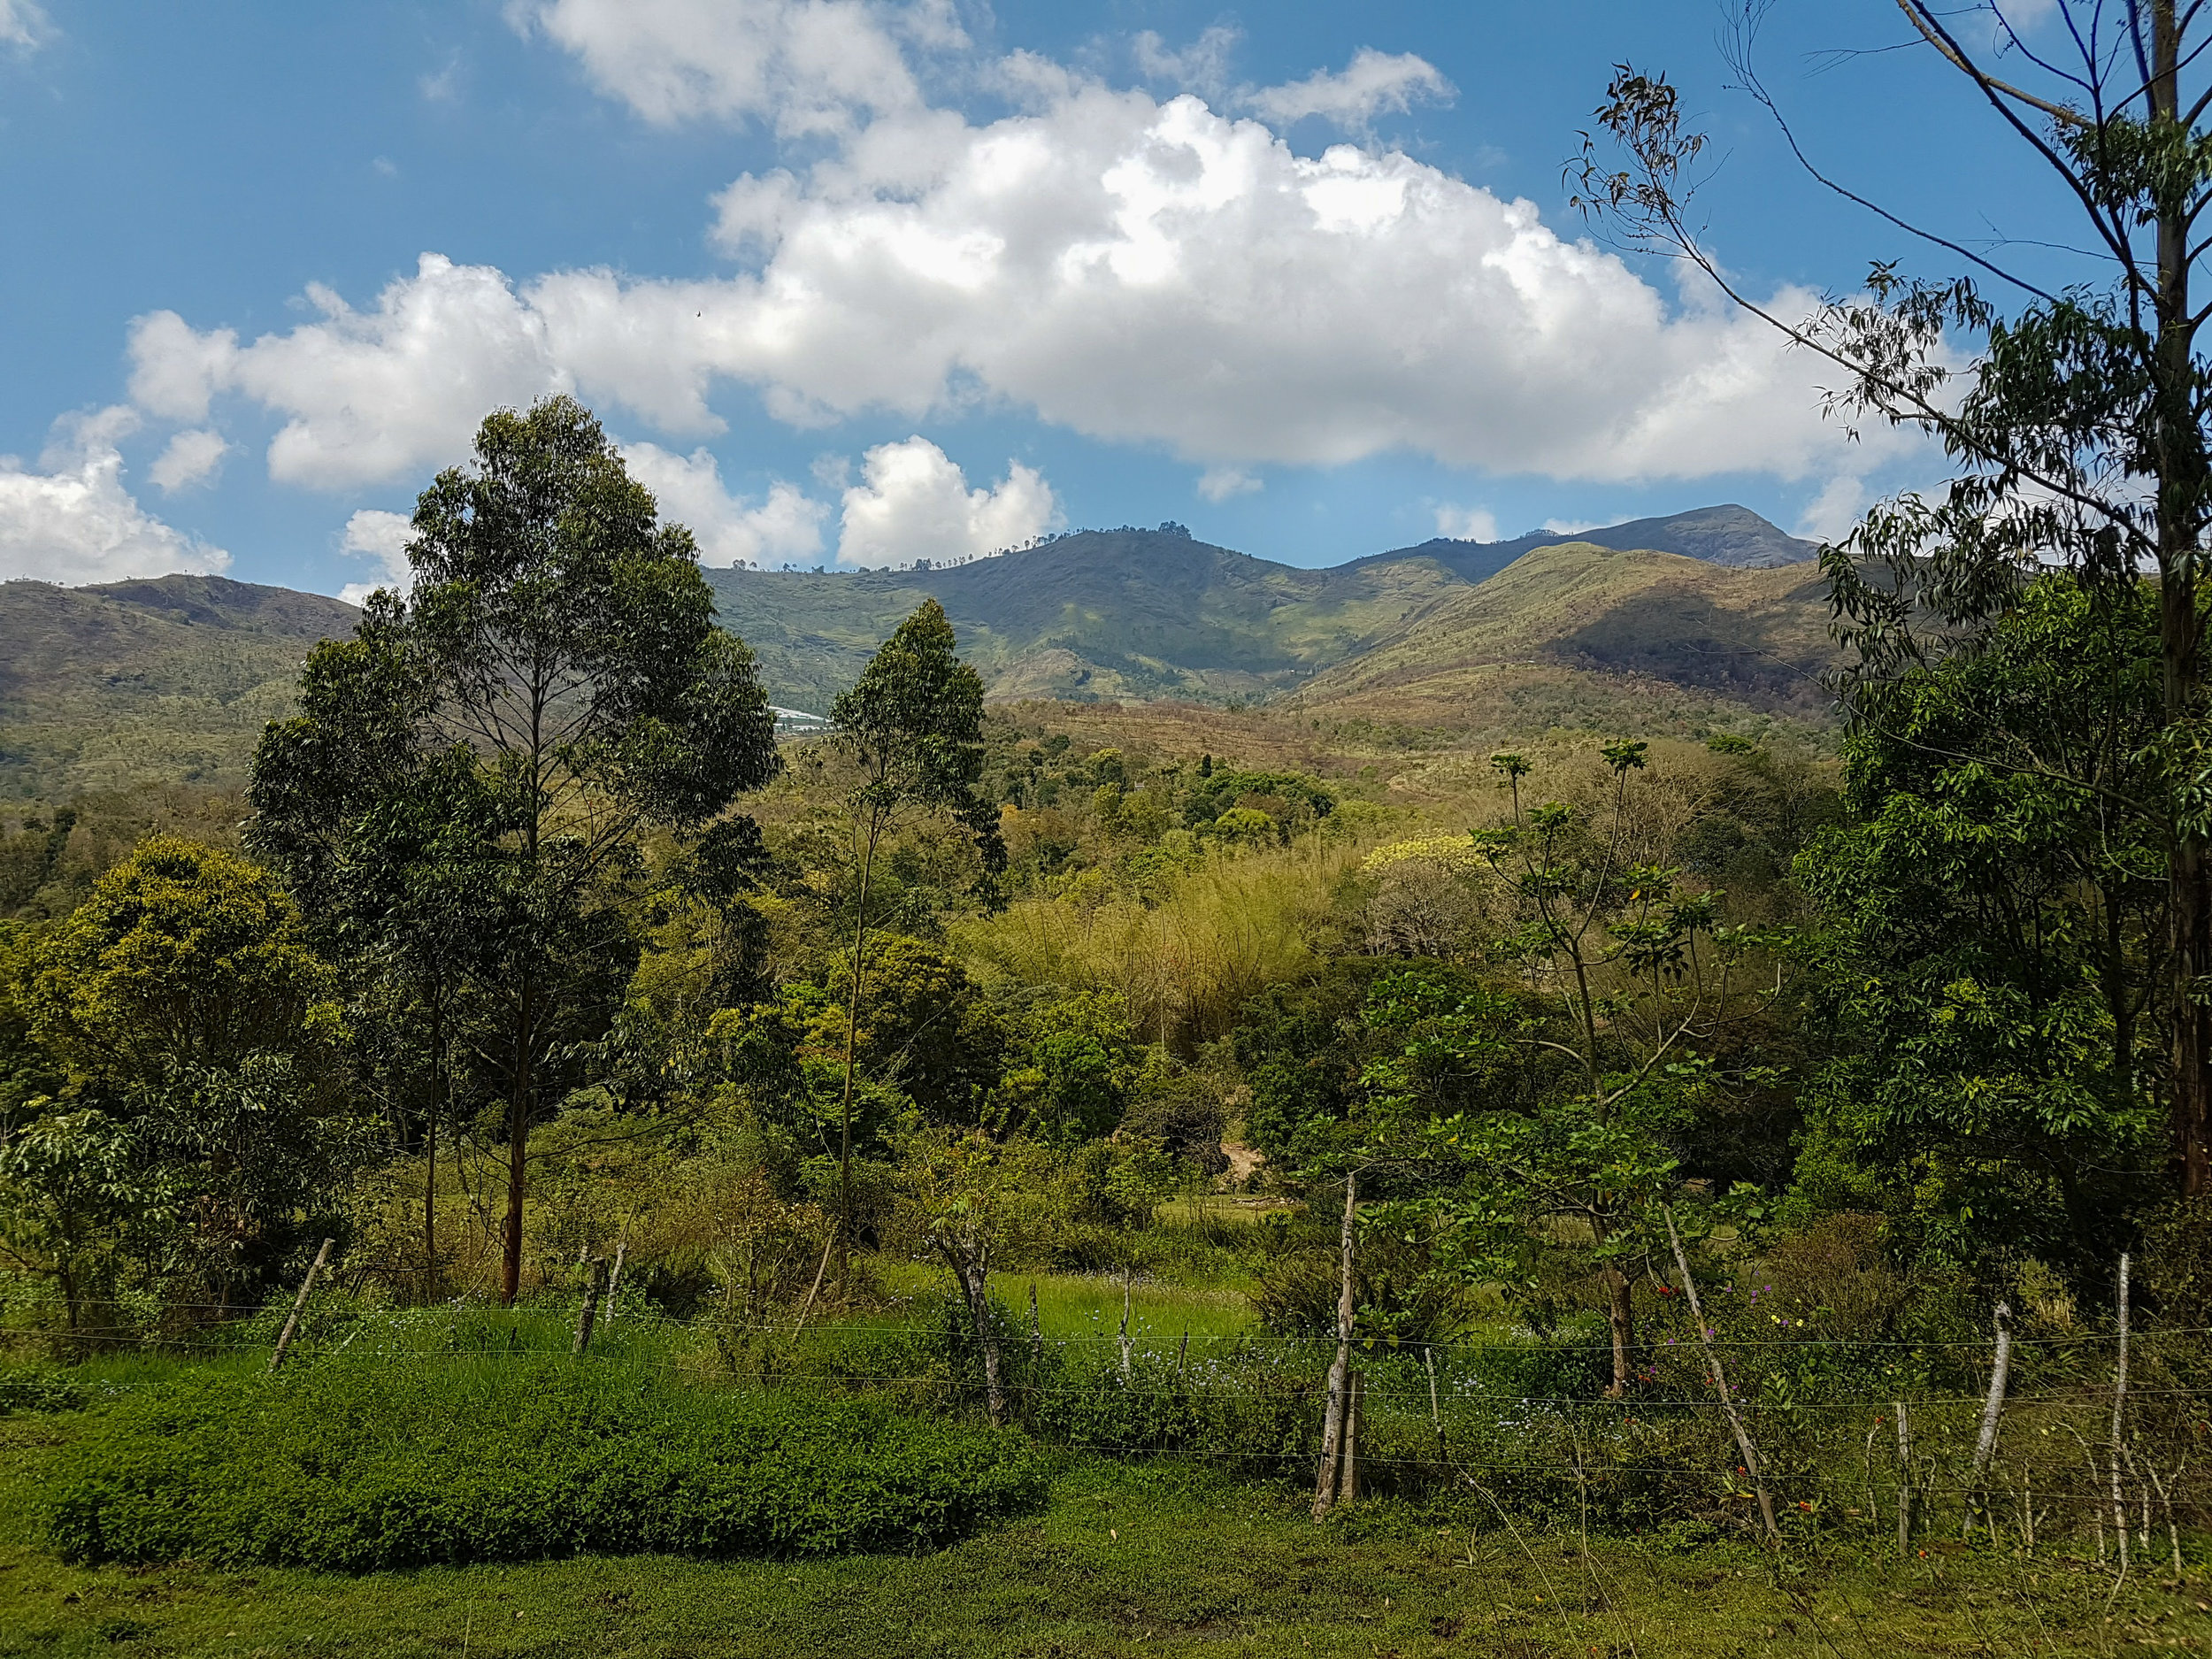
(159, 682)
(170, 681)
(1146, 614)
(1582, 636)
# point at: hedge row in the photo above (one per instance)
(355, 1468)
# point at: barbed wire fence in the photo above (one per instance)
(2084, 1461)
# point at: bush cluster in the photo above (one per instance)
(38, 1389)
(354, 1467)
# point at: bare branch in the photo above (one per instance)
(1943, 44)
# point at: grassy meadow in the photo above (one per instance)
(1120, 1559)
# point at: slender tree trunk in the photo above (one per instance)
(975, 1280)
(2181, 463)
(1620, 1314)
(852, 1040)
(1752, 1466)
(1993, 1410)
(517, 1156)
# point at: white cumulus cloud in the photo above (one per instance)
(814, 66)
(1135, 270)
(370, 395)
(71, 519)
(786, 527)
(191, 457)
(381, 538)
(1373, 84)
(1467, 523)
(913, 501)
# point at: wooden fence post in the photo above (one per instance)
(1436, 1412)
(1904, 1481)
(591, 1303)
(2119, 1409)
(1127, 1275)
(1326, 1479)
(614, 1280)
(299, 1304)
(1720, 1387)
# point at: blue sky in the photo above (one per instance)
(861, 282)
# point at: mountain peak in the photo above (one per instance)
(1727, 534)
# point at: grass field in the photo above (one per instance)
(1079, 1306)
(1124, 1560)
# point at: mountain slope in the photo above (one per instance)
(167, 681)
(1731, 536)
(172, 681)
(1146, 614)
(1100, 613)
(1580, 634)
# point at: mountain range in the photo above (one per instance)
(1701, 619)
(1137, 614)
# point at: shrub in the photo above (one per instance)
(39, 1389)
(1249, 1410)
(355, 1468)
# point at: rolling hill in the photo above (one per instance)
(1114, 614)
(144, 682)
(1729, 535)
(1580, 634)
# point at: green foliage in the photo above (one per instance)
(359, 1467)
(39, 1388)
(72, 1189)
(184, 954)
(912, 724)
(1995, 928)
(203, 1110)
(469, 781)
(925, 1031)
(1285, 800)
(1079, 1069)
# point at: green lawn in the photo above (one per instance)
(1079, 1306)
(1125, 1559)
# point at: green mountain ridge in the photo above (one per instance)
(1123, 614)
(1142, 615)
(171, 679)
(1577, 634)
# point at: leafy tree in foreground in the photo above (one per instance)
(203, 1047)
(974, 1200)
(912, 726)
(559, 643)
(2081, 431)
(185, 955)
(1994, 932)
(1645, 972)
(70, 1188)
